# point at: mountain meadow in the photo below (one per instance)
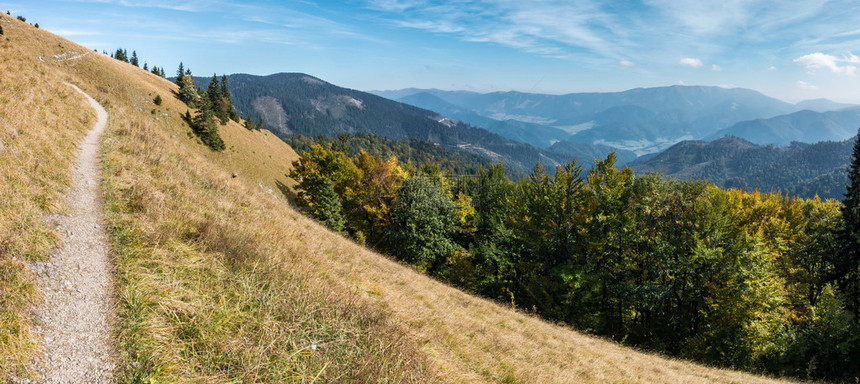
(404, 246)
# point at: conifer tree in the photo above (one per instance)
(134, 61)
(180, 74)
(225, 94)
(847, 263)
(121, 55)
(213, 93)
(327, 208)
(145, 67)
(187, 91)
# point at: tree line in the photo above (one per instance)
(760, 282)
(122, 55)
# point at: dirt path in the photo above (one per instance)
(75, 317)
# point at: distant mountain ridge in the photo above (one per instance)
(802, 170)
(804, 126)
(300, 104)
(645, 120)
(822, 105)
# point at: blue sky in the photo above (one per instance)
(792, 50)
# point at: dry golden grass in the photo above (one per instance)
(219, 279)
(41, 122)
(207, 289)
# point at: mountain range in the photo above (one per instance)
(798, 169)
(804, 126)
(299, 104)
(644, 120)
(762, 153)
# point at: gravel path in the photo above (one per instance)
(76, 315)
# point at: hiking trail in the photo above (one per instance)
(75, 317)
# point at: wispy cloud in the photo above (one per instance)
(185, 5)
(716, 68)
(645, 33)
(805, 86)
(844, 65)
(626, 63)
(551, 27)
(691, 62)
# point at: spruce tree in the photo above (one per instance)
(847, 264)
(120, 55)
(134, 61)
(225, 94)
(180, 74)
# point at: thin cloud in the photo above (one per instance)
(595, 33)
(716, 68)
(627, 63)
(839, 65)
(185, 6)
(691, 62)
(804, 85)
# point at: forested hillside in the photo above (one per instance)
(802, 170)
(412, 151)
(681, 267)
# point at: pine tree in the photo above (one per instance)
(187, 91)
(847, 264)
(225, 92)
(121, 55)
(213, 92)
(180, 74)
(134, 60)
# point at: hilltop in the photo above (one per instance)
(217, 278)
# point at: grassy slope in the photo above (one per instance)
(41, 122)
(219, 279)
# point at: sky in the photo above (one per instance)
(791, 50)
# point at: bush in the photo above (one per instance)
(157, 100)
